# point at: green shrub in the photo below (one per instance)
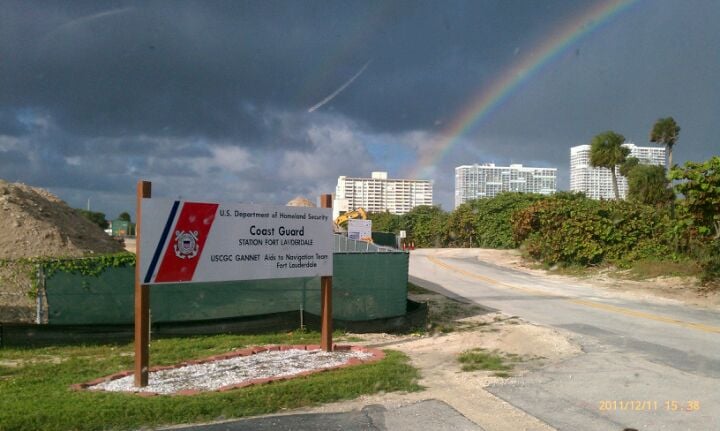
(698, 214)
(708, 258)
(581, 231)
(425, 226)
(385, 222)
(486, 222)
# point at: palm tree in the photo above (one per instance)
(606, 151)
(627, 167)
(665, 132)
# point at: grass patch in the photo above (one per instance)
(348, 339)
(35, 394)
(651, 268)
(638, 270)
(447, 310)
(417, 290)
(444, 313)
(573, 270)
(480, 359)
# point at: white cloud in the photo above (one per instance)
(232, 159)
(8, 143)
(335, 149)
(73, 160)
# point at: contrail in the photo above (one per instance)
(339, 90)
(85, 19)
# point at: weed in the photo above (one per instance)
(652, 268)
(417, 290)
(480, 359)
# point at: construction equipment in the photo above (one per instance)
(343, 218)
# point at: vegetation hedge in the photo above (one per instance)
(486, 222)
(580, 231)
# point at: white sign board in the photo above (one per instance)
(360, 229)
(403, 234)
(206, 242)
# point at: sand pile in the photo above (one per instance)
(34, 222)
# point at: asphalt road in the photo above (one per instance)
(648, 365)
(424, 415)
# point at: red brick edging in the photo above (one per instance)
(376, 356)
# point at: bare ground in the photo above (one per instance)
(435, 354)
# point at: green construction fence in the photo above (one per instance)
(387, 239)
(366, 286)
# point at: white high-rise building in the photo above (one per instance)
(379, 194)
(596, 183)
(487, 180)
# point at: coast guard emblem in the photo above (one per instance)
(186, 246)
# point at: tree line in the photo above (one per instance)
(99, 218)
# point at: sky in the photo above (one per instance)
(262, 101)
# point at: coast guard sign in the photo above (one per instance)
(205, 242)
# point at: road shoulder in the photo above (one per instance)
(664, 290)
(436, 358)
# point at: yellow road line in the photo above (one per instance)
(593, 304)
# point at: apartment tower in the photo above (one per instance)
(487, 180)
(380, 193)
(596, 183)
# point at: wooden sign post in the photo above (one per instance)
(142, 296)
(326, 328)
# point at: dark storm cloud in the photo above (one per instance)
(10, 159)
(37, 163)
(429, 60)
(10, 125)
(172, 71)
(212, 97)
(206, 68)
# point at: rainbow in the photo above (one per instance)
(493, 96)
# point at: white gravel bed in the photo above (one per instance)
(216, 374)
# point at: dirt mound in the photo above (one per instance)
(37, 223)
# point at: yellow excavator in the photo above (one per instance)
(342, 220)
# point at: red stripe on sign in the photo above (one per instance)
(186, 242)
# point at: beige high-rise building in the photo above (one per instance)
(380, 193)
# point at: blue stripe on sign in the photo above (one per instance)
(163, 237)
